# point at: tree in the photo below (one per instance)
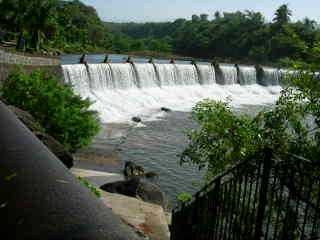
(282, 16)
(195, 18)
(40, 16)
(204, 17)
(217, 15)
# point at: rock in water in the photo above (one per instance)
(136, 119)
(57, 149)
(164, 109)
(151, 193)
(127, 188)
(151, 175)
(134, 187)
(133, 170)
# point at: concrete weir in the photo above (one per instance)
(40, 199)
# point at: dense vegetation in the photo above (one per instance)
(71, 26)
(64, 115)
(290, 127)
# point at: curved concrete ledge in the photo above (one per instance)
(40, 199)
(12, 58)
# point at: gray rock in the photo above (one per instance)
(127, 188)
(151, 175)
(137, 188)
(164, 109)
(133, 170)
(151, 193)
(136, 119)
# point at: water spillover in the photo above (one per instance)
(121, 91)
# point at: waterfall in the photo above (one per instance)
(147, 75)
(101, 77)
(207, 74)
(229, 74)
(124, 76)
(77, 76)
(186, 74)
(270, 77)
(122, 90)
(167, 74)
(247, 75)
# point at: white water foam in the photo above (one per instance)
(248, 75)
(229, 74)
(118, 97)
(207, 74)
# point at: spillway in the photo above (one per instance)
(123, 90)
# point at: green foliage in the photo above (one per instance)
(184, 197)
(88, 185)
(222, 137)
(291, 126)
(64, 115)
(244, 36)
(72, 26)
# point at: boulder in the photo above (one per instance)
(164, 109)
(57, 149)
(136, 119)
(151, 193)
(132, 170)
(151, 175)
(137, 188)
(127, 188)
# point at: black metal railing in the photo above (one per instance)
(264, 198)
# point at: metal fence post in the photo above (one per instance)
(267, 162)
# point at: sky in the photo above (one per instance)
(167, 10)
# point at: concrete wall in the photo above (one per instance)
(21, 59)
(9, 62)
(6, 69)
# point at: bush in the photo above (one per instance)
(221, 138)
(184, 197)
(64, 115)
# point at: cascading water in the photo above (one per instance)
(101, 77)
(147, 75)
(124, 76)
(229, 74)
(167, 74)
(186, 75)
(207, 74)
(121, 91)
(77, 76)
(270, 77)
(247, 75)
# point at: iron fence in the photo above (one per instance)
(265, 198)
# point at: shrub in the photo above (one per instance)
(184, 197)
(64, 115)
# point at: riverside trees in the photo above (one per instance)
(71, 26)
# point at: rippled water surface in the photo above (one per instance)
(156, 145)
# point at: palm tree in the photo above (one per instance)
(282, 15)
